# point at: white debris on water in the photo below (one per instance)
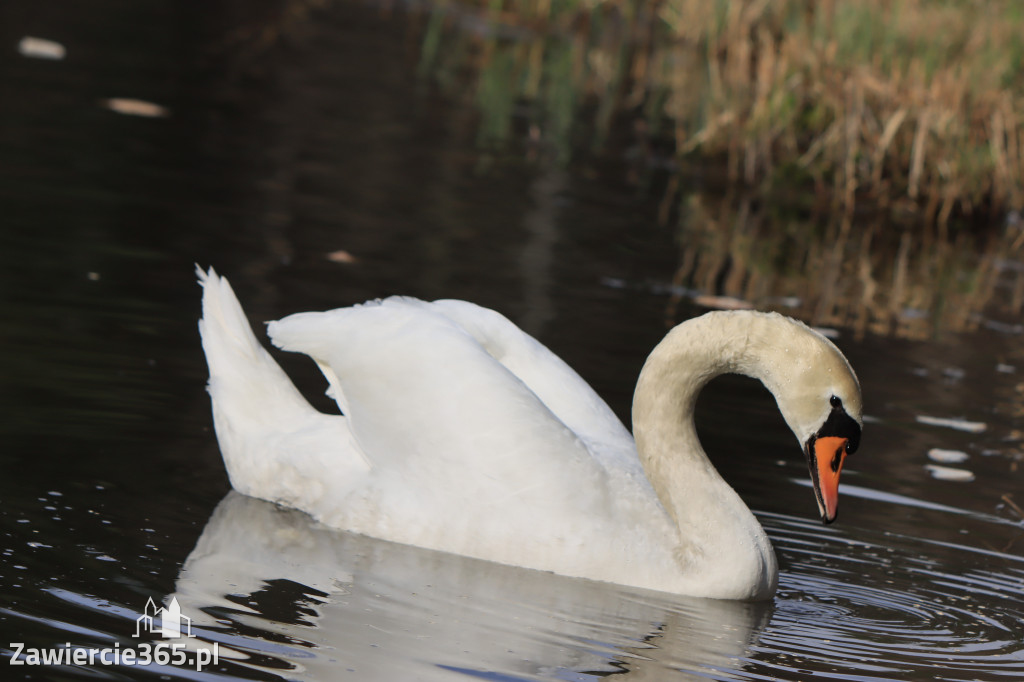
(787, 301)
(958, 424)
(723, 302)
(944, 473)
(41, 48)
(135, 107)
(943, 456)
(954, 373)
(342, 256)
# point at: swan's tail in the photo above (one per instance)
(254, 401)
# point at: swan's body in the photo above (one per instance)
(461, 433)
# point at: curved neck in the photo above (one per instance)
(719, 536)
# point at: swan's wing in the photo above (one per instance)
(446, 426)
(558, 386)
(275, 444)
(562, 391)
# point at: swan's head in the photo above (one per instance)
(813, 384)
(826, 452)
(819, 396)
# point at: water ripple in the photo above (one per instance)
(891, 609)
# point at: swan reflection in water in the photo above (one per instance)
(282, 593)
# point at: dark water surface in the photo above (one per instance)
(299, 152)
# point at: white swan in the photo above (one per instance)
(461, 433)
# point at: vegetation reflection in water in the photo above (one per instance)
(873, 278)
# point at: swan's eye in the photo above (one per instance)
(841, 425)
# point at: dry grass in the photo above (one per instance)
(914, 105)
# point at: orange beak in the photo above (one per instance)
(825, 457)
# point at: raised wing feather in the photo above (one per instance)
(447, 425)
(555, 383)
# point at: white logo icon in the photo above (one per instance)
(169, 618)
